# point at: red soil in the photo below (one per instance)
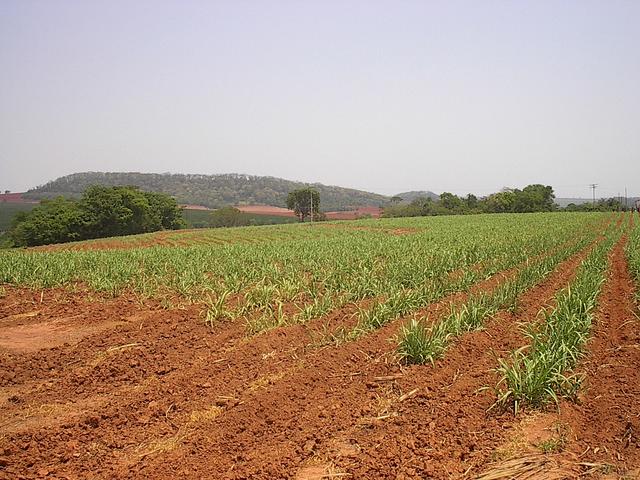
(266, 210)
(142, 392)
(600, 433)
(283, 212)
(15, 198)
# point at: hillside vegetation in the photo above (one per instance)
(213, 191)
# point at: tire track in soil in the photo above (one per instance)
(331, 404)
(602, 430)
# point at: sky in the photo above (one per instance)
(384, 96)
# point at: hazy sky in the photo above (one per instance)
(384, 96)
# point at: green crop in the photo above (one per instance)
(285, 274)
(541, 372)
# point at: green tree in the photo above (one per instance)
(165, 212)
(53, 221)
(450, 201)
(304, 202)
(534, 198)
(101, 212)
(116, 211)
(228, 217)
(471, 201)
(500, 202)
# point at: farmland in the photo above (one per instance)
(487, 346)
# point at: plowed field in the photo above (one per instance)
(274, 352)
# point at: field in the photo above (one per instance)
(9, 209)
(200, 218)
(481, 346)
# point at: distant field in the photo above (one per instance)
(8, 211)
(200, 218)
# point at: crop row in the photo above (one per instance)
(422, 342)
(633, 255)
(314, 268)
(541, 371)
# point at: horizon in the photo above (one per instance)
(381, 97)
(427, 190)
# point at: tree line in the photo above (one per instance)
(100, 212)
(532, 198)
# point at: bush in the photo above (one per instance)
(101, 212)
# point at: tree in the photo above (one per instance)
(166, 213)
(101, 212)
(228, 217)
(53, 221)
(450, 201)
(304, 202)
(471, 201)
(500, 202)
(116, 211)
(534, 198)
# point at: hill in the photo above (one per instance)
(212, 191)
(410, 196)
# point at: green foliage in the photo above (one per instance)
(101, 212)
(53, 221)
(8, 210)
(501, 202)
(286, 274)
(602, 205)
(533, 198)
(419, 343)
(202, 219)
(228, 217)
(633, 255)
(305, 202)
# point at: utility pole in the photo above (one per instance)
(593, 186)
(626, 206)
(311, 195)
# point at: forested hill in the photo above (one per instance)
(411, 196)
(209, 190)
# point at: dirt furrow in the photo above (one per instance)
(171, 378)
(600, 434)
(352, 407)
(162, 369)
